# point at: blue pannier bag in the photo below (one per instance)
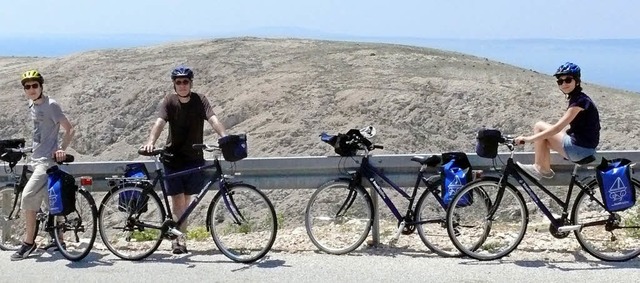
(62, 191)
(133, 200)
(614, 178)
(456, 172)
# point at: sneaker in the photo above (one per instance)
(548, 175)
(52, 244)
(178, 248)
(531, 170)
(23, 252)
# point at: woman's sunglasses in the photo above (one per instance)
(182, 82)
(567, 81)
(34, 86)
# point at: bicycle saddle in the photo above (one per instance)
(584, 161)
(431, 161)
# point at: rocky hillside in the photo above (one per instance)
(284, 92)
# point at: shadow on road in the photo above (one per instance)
(194, 257)
(570, 261)
(91, 260)
(378, 250)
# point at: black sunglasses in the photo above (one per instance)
(34, 86)
(567, 81)
(182, 82)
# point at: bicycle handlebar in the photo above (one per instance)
(19, 149)
(206, 147)
(154, 152)
(159, 151)
(24, 150)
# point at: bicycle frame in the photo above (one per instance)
(217, 176)
(370, 172)
(512, 169)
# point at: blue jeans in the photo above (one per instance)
(576, 153)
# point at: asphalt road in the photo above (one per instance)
(208, 266)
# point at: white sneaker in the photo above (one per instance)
(531, 170)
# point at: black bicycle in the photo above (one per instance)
(339, 214)
(609, 236)
(133, 220)
(73, 233)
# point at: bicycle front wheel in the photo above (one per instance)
(129, 219)
(75, 233)
(12, 226)
(431, 216)
(609, 236)
(338, 217)
(242, 222)
(479, 233)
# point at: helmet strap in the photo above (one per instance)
(39, 97)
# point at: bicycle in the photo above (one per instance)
(59, 227)
(339, 215)
(609, 236)
(240, 218)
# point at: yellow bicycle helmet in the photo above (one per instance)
(32, 75)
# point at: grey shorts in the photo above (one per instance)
(576, 153)
(35, 194)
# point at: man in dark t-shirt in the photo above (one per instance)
(185, 111)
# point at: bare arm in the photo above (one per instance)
(217, 126)
(155, 133)
(69, 131)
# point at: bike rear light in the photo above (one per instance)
(86, 181)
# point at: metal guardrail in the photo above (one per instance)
(312, 171)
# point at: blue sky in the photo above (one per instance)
(489, 19)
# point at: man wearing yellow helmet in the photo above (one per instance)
(47, 118)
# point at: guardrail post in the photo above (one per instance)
(375, 228)
(7, 202)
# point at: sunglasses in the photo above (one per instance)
(182, 82)
(567, 81)
(34, 86)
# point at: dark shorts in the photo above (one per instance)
(190, 184)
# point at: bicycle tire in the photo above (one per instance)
(434, 233)
(336, 203)
(245, 230)
(11, 238)
(74, 225)
(133, 227)
(480, 246)
(585, 205)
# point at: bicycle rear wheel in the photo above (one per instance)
(338, 217)
(432, 229)
(76, 233)
(480, 235)
(125, 218)
(12, 224)
(242, 222)
(609, 236)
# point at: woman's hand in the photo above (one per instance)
(521, 140)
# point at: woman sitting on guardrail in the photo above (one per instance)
(579, 141)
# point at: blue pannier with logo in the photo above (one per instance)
(614, 178)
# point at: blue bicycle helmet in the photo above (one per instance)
(182, 72)
(568, 68)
